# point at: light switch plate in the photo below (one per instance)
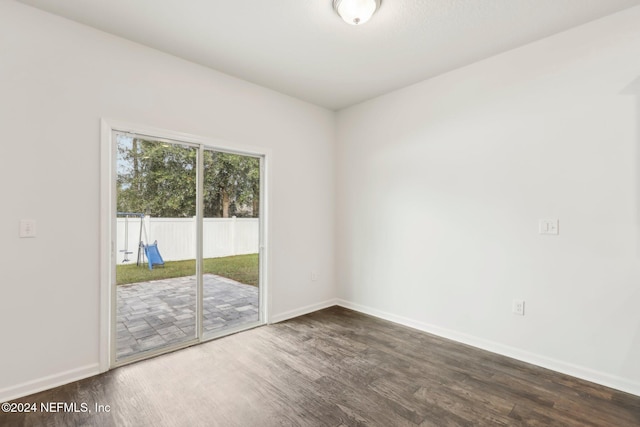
(27, 228)
(549, 226)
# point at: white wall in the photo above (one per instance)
(441, 186)
(57, 80)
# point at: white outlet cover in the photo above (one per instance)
(518, 307)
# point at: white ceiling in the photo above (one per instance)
(302, 48)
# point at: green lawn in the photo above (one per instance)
(242, 268)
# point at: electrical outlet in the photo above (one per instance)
(518, 307)
(314, 275)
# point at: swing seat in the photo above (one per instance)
(153, 255)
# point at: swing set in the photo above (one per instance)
(150, 251)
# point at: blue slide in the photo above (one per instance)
(153, 255)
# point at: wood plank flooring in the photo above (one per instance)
(337, 368)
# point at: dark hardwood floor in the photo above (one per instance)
(334, 367)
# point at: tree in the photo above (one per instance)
(159, 179)
(231, 184)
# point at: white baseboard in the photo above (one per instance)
(602, 378)
(302, 311)
(51, 381)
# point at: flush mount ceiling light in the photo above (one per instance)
(356, 12)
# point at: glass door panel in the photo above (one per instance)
(156, 240)
(231, 242)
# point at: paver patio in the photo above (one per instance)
(154, 314)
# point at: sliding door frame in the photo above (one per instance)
(108, 249)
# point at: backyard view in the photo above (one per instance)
(241, 268)
(159, 179)
(157, 233)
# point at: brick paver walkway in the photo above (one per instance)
(154, 314)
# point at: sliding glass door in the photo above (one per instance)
(231, 241)
(187, 236)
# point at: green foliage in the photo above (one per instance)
(231, 185)
(159, 179)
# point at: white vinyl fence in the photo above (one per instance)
(177, 237)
